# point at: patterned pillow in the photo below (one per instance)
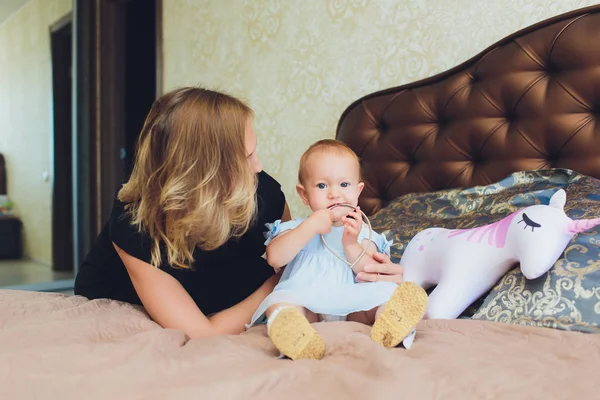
(567, 297)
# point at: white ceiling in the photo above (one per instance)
(9, 7)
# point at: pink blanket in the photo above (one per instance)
(58, 347)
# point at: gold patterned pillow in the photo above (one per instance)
(567, 297)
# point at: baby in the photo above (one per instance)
(317, 285)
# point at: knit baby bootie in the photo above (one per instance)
(403, 311)
(292, 334)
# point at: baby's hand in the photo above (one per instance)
(322, 221)
(352, 226)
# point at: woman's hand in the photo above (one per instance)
(383, 270)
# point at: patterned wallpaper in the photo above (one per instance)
(26, 118)
(301, 63)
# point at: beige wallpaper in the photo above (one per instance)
(26, 118)
(300, 63)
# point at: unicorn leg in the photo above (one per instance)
(448, 301)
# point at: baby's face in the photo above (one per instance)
(331, 179)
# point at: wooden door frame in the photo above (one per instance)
(98, 131)
(62, 220)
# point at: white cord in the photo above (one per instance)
(364, 217)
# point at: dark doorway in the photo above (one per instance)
(62, 194)
(118, 76)
(140, 70)
(127, 82)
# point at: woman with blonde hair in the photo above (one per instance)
(185, 236)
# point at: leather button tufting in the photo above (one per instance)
(552, 158)
(531, 101)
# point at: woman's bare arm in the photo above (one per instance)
(236, 317)
(163, 297)
(170, 305)
(233, 320)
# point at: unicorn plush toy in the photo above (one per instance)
(465, 263)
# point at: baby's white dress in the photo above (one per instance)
(317, 280)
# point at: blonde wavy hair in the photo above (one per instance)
(191, 184)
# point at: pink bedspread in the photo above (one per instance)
(58, 347)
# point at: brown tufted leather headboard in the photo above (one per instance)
(530, 101)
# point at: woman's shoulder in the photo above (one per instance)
(267, 183)
(120, 215)
(270, 198)
(126, 235)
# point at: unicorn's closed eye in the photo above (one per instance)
(465, 263)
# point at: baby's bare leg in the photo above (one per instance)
(365, 317)
(290, 330)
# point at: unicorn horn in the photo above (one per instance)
(581, 225)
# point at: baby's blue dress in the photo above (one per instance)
(322, 283)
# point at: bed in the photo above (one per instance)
(500, 131)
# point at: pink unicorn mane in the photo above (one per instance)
(496, 232)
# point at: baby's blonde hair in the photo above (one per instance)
(325, 146)
(191, 184)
